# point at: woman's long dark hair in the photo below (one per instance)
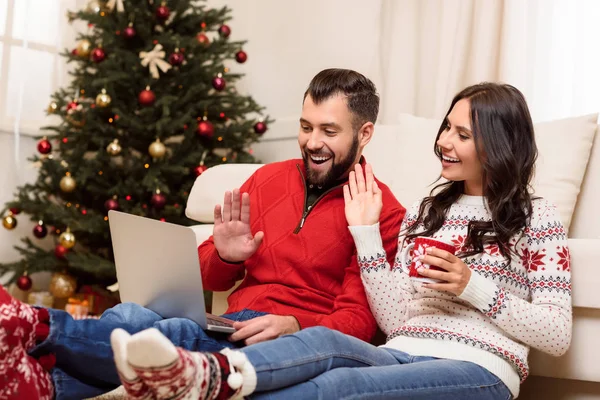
(505, 143)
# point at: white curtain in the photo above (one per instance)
(547, 48)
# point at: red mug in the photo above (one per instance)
(410, 263)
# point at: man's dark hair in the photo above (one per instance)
(360, 92)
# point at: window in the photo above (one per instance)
(32, 34)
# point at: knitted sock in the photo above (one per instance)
(133, 385)
(172, 372)
(30, 324)
(21, 376)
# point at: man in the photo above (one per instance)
(285, 229)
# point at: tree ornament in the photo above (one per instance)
(157, 149)
(224, 31)
(158, 200)
(60, 251)
(72, 106)
(241, 56)
(163, 12)
(176, 58)
(24, 282)
(111, 4)
(52, 107)
(83, 48)
(40, 231)
(44, 146)
(155, 60)
(146, 97)
(260, 127)
(9, 222)
(98, 55)
(67, 239)
(199, 169)
(103, 100)
(14, 210)
(203, 39)
(129, 32)
(114, 148)
(62, 285)
(206, 129)
(111, 204)
(67, 183)
(218, 82)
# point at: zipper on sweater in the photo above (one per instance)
(307, 209)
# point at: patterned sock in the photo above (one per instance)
(172, 372)
(133, 385)
(33, 323)
(21, 376)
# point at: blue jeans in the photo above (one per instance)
(319, 363)
(84, 359)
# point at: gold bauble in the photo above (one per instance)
(52, 107)
(84, 47)
(114, 148)
(103, 100)
(9, 222)
(67, 239)
(157, 149)
(62, 285)
(67, 184)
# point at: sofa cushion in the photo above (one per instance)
(210, 187)
(402, 157)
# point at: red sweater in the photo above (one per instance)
(309, 272)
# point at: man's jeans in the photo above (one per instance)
(84, 358)
(319, 363)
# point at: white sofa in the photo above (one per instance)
(402, 157)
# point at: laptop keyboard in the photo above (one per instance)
(217, 322)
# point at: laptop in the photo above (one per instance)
(158, 268)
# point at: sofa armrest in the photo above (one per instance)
(581, 361)
(585, 273)
(202, 232)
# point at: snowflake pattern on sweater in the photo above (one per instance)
(505, 309)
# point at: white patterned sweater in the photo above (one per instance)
(504, 310)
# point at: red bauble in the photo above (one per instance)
(146, 97)
(203, 39)
(176, 59)
(225, 31)
(200, 169)
(44, 146)
(260, 128)
(111, 204)
(60, 251)
(98, 55)
(158, 201)
(218, 83)
(129, 32)
(24, 283)
(72, 105)
(163, 12)
(14, 210)
(241, 56)
(74, 52)
(206, 129)
(40, 231)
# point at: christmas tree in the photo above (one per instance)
(150, 107)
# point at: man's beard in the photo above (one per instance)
(337, 170)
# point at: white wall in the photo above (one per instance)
(291, 41)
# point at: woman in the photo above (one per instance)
(466, 336)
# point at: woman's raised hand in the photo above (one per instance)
(362, 197)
